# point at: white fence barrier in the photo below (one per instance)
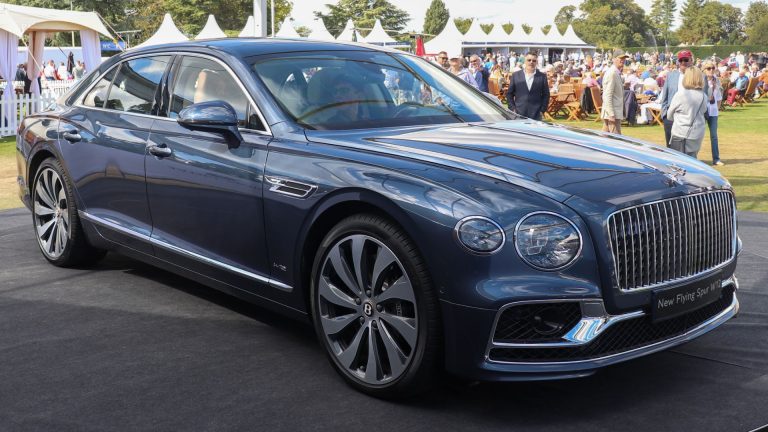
(26, 104)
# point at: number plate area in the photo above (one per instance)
(680, 300)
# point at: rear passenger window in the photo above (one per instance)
(134, 87)
(98, 94)
(203, 80)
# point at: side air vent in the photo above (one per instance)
(290, 187)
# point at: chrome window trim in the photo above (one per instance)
(712, 322)
(672, 282)
(155, 242)
(79, 102)
(476, 252)
(564, 266)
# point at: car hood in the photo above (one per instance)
(556, 161)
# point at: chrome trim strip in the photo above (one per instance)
(695, 237)
(702, 328)
(117, 227)
(79, 103)
(472, 251)
(609, 320)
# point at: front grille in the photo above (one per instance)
(620, 337)
(672, 239)
(523, 323)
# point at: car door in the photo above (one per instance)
(106, 136)
(205, 196)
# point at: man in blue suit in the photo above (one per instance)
(673, 82)
(528, 93)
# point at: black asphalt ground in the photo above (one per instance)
(124, 347)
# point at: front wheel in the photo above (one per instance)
(56, 222)
(374, 308)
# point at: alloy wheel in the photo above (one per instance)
(51, 213)
(367, 309)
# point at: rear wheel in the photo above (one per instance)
(374, 308)
(56, 222)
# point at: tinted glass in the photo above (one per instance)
(355, 90)
(203, 80)
(98, 94)
(134, 87)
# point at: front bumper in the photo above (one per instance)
(595, 341)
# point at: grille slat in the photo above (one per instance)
(671, 240)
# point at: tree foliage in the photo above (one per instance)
(711, 22)
(526, 28)
(363, 14)
(758, 32)
(436, 17)
(463, 24)
(662, 17)
(486, 27)
(611, 23)
(756, 12)
(564, 17)
(507, 27)
(546, 29)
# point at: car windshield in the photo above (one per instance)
(359, 90)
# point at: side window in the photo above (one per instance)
(134, 87)
(98, 94)
(203, 80)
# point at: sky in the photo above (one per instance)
(534, 12)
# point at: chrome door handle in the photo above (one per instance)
(161, 150)
(72, 135)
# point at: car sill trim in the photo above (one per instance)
(155, 242)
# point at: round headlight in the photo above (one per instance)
(480, 234)
(547, 241)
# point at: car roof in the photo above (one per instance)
(246, 47)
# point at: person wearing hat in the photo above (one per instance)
(612, 112)
(672, 84)
(528, 93)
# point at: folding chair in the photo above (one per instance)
(749, 95)
(597, 101)
(656, 114)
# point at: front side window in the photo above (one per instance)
(357, 90)
(203, 80)
(134, 88)
(98, 94)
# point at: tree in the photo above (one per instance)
(757, 10)
(564, 17)
(436, 18)
(611, 23)
(463, 24)
(689, 16)
(758, 32)
(712, 23)
(364, 14)
(527, 28)
(662, 17)
(546, 29)
(486, 27)
(303, 31)
(507, 27)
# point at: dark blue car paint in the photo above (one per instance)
(424, 178)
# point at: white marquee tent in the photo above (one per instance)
(287, 30)
(475, 36)
(319, 32)
(248, 30)
(498, 37)
(16, 21)
(378, 36)
(211, 30)
(348, 32)
(449, 40)
(167, 33)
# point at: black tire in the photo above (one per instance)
(54, 213)
(414, 368)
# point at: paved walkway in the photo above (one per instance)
(125, 346)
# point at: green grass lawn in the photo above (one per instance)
(743, 136)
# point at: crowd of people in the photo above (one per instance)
(71, 70)
(688, 92)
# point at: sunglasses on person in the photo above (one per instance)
(442, 58)
(684, 60)
(708, 68)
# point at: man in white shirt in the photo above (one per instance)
(49, 71)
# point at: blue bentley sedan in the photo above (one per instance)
(415, 222)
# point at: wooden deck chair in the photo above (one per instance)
(597, 100)
(749, 96)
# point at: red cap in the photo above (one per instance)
(684, 54)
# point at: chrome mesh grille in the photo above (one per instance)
(672, 239)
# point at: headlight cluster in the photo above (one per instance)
(480, 234)
(547, 241)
